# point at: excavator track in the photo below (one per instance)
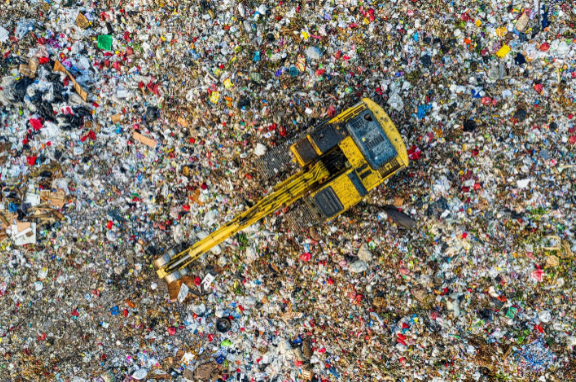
(300, 218)
(274, 162)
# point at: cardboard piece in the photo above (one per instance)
(183, 122)
(33, 65)
(3, 152)
(208, 371)
(82, 21)
(306, 375)
(116, 118)
(4, 223)
(566, 250)
(56, 198)
(26, 71)
(92, 126)
(21, 226)
(552, 261)
(188, 375)
(81, 92)
(522, 22)
(159, 375)
(24, 233)
(47, 214)
(144, 140)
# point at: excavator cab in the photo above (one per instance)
(361, 146)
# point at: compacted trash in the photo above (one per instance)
(128, 129)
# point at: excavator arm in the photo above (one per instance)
(172, 265)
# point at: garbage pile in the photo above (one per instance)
(129, 127)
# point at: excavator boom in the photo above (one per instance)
(171, 268)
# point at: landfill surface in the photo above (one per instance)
(129, 127)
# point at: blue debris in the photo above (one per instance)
(520, 59)
(422, 109)
(536, 355)
(13, 207)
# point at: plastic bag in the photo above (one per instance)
(20, 87)
(152, 114)
(23, 27)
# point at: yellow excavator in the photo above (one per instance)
(341, 160)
